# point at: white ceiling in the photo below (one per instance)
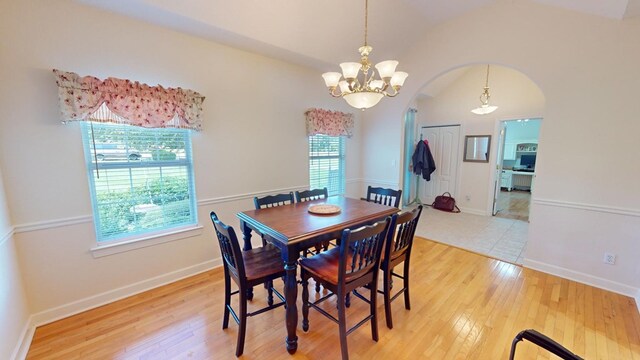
(323, 33)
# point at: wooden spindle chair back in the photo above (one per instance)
(309, 195)
(273, 200)
(384, 196)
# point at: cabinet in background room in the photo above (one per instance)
(506, 179)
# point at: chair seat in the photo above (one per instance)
(262, 262)
(325, 266)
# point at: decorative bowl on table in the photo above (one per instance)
(324, 209)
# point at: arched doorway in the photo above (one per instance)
(446, 102)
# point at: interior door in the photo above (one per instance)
(444, 145)
(500, 159)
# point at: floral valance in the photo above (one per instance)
(132, 103)
(327, 122)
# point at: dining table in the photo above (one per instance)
(298, 226)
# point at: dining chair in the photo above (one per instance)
(270, 201)
(247, 269)
(342, 269)
(397, 251)
(310, 195)
(273, 200)
(384, 196)
(314, 194)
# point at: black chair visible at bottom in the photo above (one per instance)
(341, 270)
(247, 269)
(544, 342)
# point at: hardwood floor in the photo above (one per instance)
(514, 204)
(464, 306)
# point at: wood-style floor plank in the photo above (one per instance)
(463, 306)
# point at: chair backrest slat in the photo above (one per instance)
(400, 238)
(314, 194)
(229, 247)
(360, 249)
(384, 196)
(273, 200)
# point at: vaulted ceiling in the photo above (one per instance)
(324, 33)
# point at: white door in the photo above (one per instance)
(444, 145)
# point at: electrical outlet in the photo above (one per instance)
(468, 198)
(609, 258)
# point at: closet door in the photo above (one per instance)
(444, 143)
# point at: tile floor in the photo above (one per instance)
(500, 238)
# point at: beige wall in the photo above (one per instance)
(586, 67)
(14, 310)
(253, 142)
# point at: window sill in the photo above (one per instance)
(142, 242)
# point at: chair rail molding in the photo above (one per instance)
(6, 236)
(382, 183)
(82, 219)
(588, 207)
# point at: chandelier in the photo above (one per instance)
(484, 107)
(359, 87)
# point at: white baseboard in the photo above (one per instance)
(75, 307)
(584, 278)
(24, 341)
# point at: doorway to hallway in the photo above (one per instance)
(516, 168)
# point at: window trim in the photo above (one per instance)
(136, 240)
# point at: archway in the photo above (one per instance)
(446, 101)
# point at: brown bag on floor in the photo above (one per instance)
(446, 202)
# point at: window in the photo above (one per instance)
(141, 179)
(326, 163)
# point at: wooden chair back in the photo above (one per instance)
(360, 250)
(273, 200)
(308, 195)
(384, 196)
(400, 238)
(229, 248)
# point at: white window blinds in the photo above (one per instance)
(141, 179)
(326, 163)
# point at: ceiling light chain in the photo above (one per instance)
(368, 92)
(485, 108)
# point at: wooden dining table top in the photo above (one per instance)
(290, 224)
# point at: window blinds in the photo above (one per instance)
(141, 179)
(326, 163)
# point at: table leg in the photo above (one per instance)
(291, 294)
(246, 236)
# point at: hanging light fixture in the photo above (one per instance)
(485, 108)
(364, 91)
